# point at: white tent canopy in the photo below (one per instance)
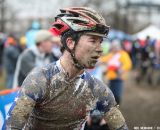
(151, 31)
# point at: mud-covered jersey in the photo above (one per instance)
(49, 100)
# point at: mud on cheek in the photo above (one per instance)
(91, 64)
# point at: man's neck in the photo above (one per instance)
(68, 66)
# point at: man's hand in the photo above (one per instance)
(89, 121)
(95, 121)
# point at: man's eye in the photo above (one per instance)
(93, 41)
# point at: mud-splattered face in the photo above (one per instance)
(88, 50)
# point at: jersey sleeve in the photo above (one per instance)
(107, 105)
(31, 92)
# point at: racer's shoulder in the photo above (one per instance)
(102, 92)
(95, 83)
(98, 87)
(50, 70)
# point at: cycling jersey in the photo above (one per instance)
(50, 100)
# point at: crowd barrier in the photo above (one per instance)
(6, 99)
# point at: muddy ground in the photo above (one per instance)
(141, 105)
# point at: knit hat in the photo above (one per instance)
(43, 35)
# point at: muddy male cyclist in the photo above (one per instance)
(62, 95)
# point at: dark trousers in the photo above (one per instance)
(116, 87)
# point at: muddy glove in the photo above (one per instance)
(95, 121)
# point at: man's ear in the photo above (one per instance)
(70, 43)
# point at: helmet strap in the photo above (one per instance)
(77, 64)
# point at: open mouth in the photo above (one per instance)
(95, 57)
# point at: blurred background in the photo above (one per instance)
(135, 29)
(129, 16)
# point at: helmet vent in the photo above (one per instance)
(58, 26)
(79, 22)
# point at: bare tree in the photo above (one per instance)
(2, 14)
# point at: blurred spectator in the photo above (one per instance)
(57, 43)
(2, 37)
(10, 55)
(31, 33)
(135, 54)
(22, 43)
(145, 57)
(118, 63)
(127, 46)
(37, 56)
(157, 50)
(56, 47)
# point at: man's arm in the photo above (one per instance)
(32, 91)
(107, 105)
(115, 119)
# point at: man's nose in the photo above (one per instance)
(99, 49)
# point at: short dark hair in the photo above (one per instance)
(74, 35)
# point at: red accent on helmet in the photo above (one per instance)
(60, 26)
(80, 19)
(54, 31)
